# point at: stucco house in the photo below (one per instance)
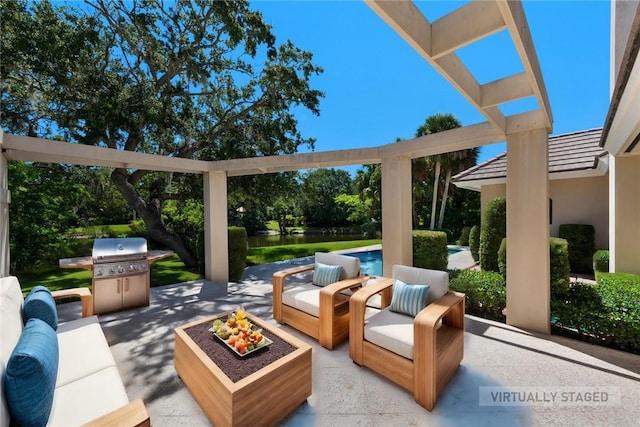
(578, 182)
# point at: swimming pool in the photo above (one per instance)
(371, 261)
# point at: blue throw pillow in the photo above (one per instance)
(324, 274)
(40, 304)
(408, 298)
(30, 375)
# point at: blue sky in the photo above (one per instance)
(378, 88)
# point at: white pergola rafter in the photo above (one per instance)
(437, 42)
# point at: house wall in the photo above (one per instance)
(574, 201)
(624, 246)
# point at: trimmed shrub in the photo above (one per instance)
(238, 247)
(601, 261)
(493, 230)
(502, 258)
(559, 276)
(607, 313)
(464, 236)
(486, 294)
(474, 242)
(581, 238)
(430, 249)
(559, 267)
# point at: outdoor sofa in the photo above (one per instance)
(65, 377)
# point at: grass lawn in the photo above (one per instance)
(280, 253)
(171, 270)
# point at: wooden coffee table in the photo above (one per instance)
(265, 397)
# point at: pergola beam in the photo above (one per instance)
(505, 90)
(442, 142)
(405, 18)
(514, 17)
(49, 151)
(464, 26)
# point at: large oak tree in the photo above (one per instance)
(195, 79)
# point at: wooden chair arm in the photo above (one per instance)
(133, 414)
(445, 308)
(357, 309)
(437, 349)
(282, 274)
(83, 293)
(383, 284)
(342, 285)
(278, 287)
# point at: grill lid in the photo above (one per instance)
(120, 248)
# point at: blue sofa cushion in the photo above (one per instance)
(40, 304)
(30, 375)
(324, 274)
(408, 298)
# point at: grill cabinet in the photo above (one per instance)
(120, 274)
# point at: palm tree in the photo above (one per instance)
(434, 124)
(456, 161)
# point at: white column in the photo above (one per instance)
(528, 285)
(216, 238)
(5, 199)
(624, 214)
(397, 246)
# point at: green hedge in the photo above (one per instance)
(486, 294)
(502, 258)
(559, 274)
(581, 238)
(430, 249)
(607, 313)
(474, 242)
(601, 261)
(238, 247)
(493, 230)
(464, 236)
(559, 267)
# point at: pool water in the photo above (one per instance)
(371, 261)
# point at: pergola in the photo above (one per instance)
(526, 135)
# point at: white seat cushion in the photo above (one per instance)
(304, 297)
(391, 331)
(88, 398)
(83, 350)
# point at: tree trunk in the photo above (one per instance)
(434, 202)
(151, 215)
(445, 196)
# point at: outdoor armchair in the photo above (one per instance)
(320, 310)
(417, 348)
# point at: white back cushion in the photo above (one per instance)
(350, 265)
(11, 300)
(438, 280)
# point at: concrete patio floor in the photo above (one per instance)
(496, 355)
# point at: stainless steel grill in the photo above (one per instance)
(120, 274)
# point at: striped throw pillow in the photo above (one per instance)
(408, 298)
(324, 274)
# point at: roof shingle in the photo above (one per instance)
(567, 152)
